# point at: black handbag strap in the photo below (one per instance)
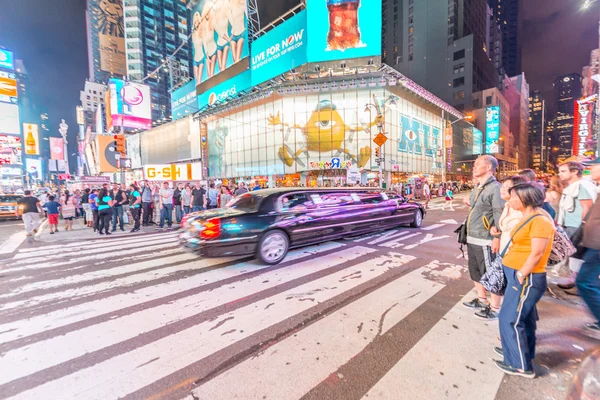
(517, 231)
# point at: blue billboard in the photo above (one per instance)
(492, 130)
(7, 59)
(225, 91)
(477, 141)
(343, 29)
(280, 50)
(183, 101)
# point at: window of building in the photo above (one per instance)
(458, 82)
(488, 100)
(459, 95)
(459, 55)
(459, 69)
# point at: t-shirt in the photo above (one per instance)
(186, 198)
(52, 207)
(574, 219)
(146, 194)
(118, 197)
(240, 190)
(134, 196)
(449, 193)
(85, 198)
(104, 203)
(92, 199)
(520, 248)
(426, 190)
(198, 197)
(177, 197)
(166, 195)
(212, 195)
(29, 204)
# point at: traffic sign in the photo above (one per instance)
(380, 139)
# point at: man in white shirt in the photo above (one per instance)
(427, 194)
(166, 201)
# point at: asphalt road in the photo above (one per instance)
(377, 316)
(10, 226)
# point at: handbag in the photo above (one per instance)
(562, 247)
(494, 280)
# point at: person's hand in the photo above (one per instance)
(520, 279)
(495, 245)
(494, 231)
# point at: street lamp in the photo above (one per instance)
(62, 129)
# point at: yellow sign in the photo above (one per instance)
(32, 139)
(173, 172)
(380, 139)
(112, 54)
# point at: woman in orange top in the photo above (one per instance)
(525, 270)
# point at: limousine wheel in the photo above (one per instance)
(418, 219)
(273, 247)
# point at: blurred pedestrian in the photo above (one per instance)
(186, 199)
(449, 199)
(531, 177)
(87, 211)
(135, 204)
(156, 205)
(53, 208)
(241, 189)
(224, 197)
(119, 198)
(93, 199)
(78, 205)
(427, 194)
(68, 206)
(554, 194)
(198, 197)
(177, 202)
(105, 212)
(166, 202)
(147, 202)
(30, 209)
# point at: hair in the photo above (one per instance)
(491, 161)
(103, 192)
(27, 193)
(51, 197)
(530, 194)
(556, 185)
(574, 166)
(87, 190)
(67, 196)
(516, 179)
(135, 187)
(212, 185)
(94, 190)
(528, 174)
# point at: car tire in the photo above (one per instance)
(273, 247)
(418, 221)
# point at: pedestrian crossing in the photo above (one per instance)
(140, 318)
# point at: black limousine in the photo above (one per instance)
(269, 222)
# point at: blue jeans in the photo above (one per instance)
(178, 213)
(588, 281)
(518, 318)
(117, 213)
(186, 210)
(197, 208)
(166, 213)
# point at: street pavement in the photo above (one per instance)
(373, 317)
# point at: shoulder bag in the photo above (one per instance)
(461, 231)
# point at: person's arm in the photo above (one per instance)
(586, 206)
(538, 247)
(123, 197)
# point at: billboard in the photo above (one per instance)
(342, 29)
(130, 104)
(7, 59)
(34, 168)
(10, 150)
(492, 130)
(8, 88)
(107, 19)
(219, 36)
(183, 101)
(477, 141)
(9, 119)
(584, 139)
(32, 139)
(279, 50)
(106, 153)
(57, 148)
(173, 172)
(225, 90)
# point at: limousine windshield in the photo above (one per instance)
(246, 202)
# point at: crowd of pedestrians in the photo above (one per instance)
(513, 229)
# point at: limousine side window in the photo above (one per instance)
(296, 202)
(371, 197)
(336, 199)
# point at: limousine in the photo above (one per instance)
(267, 223)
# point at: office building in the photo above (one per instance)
(567, 89)
(154, 30)
(538, 139)
(92, 98)
(494, 45)
(509, 17)
(519, 117)
(441, 45)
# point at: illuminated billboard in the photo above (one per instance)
(9, 119)
(107, 153)
(32, 139)
(342, 29)
(279, 50)
(7, 59)
(183, 101)
(34, 168)
(225, 91)
(477, 141)
(220, 36)
(57, 149)
(130, 104)
(492, 130)
(10, 150)
(8, 88)
(107, 19)
(584, 139)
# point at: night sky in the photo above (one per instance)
(50, 37)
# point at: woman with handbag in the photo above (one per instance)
(525, 270)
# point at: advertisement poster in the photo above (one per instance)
(34, 168)
(7, 59)
(8, 88)
(225, 90)
(492, 130)
(183, 101)
(584, 139)
(10, 150)
(477, 141)
(32, 139)
(173, 172)
(107, 18)
(106, 153)
(342, 29)
(279, 50)
(9, 119)
(134, 150)
(219, 36)
(57, 148)
(130, 104)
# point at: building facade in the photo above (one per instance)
(520, 117)
(92, 97)
(538, 138)
(567, 89)
(509, 17)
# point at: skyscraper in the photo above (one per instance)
(510, 19)
(154, 30)
(538, 140)
(567, 89)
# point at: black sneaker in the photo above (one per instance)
(592, 330)
(487, 314)
(514, 371)
(566, 286)
(475, 304)
(114, 230)
(499, 351)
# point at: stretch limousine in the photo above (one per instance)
(269, 222)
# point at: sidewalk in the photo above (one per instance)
(82, 232)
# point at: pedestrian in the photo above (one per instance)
(186, 199)
(156, 205)
(135, 204)
(78, 205)
(525, 271)
(530, 177)
(93, 199)
(119, 198)
(224, 197)
(554, 194)
(166, 211)
(449, 199)
(508, 220)
(87, 211)
(105, 212)
(588, 279)
(257, 186)
(177, 202)
(198, 197)
(575, 203)
(212, 197)
(147, 202)
(486, 206)
(427, 194)
(31, 210)
(241, 189)
(53, 208)
(68, 209)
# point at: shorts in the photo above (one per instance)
(448, 198)
(68, 218)
(53, 219)
(222, 47)
(235, 38)
(197, 63)
(480, 257)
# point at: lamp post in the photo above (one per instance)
(62, 129)
(380, 118)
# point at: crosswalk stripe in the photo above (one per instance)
(111, 304)
(396, 242)
(432, 227)
(135, 369)
(13, 242)
(388, 236)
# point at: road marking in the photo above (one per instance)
(432, 227)
(449, 221)
(13, 242)
(428, 238)
(396, 242)
(388, 236)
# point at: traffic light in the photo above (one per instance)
(120, 145)
(377, 151)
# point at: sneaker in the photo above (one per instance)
(122, 230)
(108, 233)
(565, 286)
(475, 304)
(114, 230)
(134, 230)
(52, 232)
(592, 330)
(499, 351)
(100, 233)
(487, 314)
(514, 371)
